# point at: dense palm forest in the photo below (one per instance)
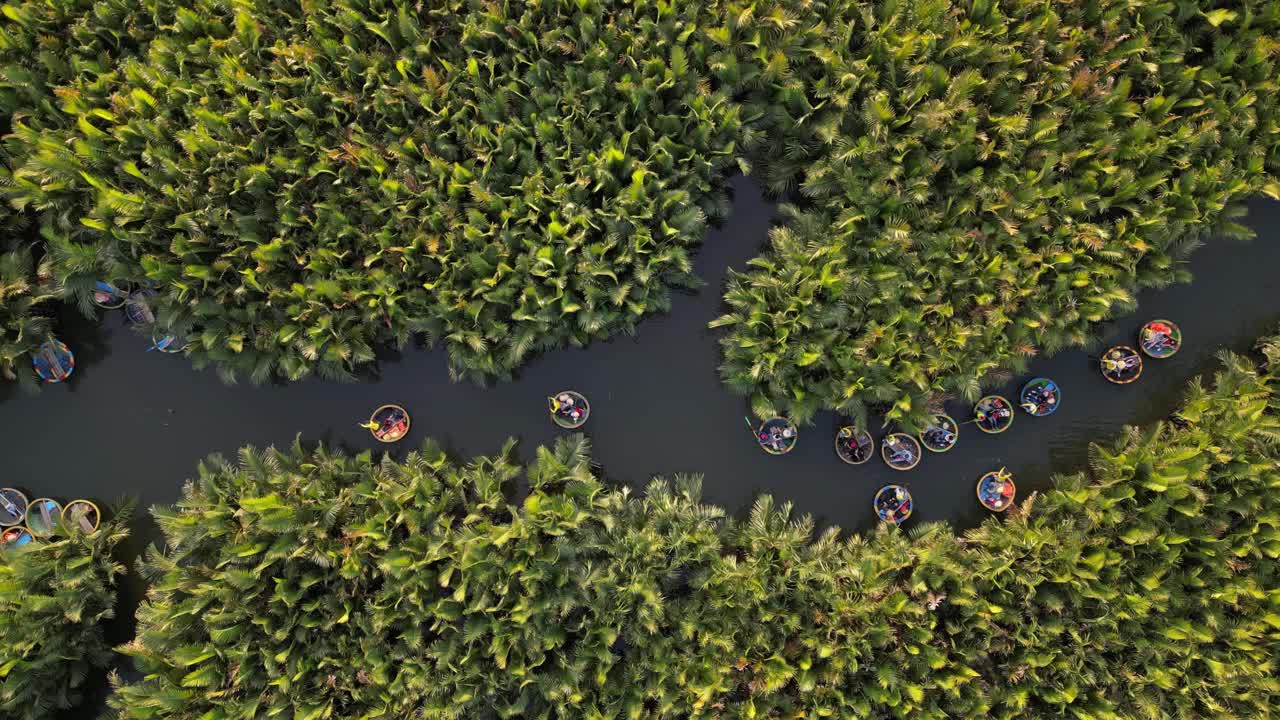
(329, 586)
(301, 183)
(305, 182)
(54, 596)
(985, 180)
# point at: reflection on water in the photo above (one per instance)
(136, 422)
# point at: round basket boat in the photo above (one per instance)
(137, 308)
(900, 451)
(110, 296)
(44, 517)
(15, 538)
(54, 361)
(1160, 338)
(81, 515)
(996, 490)
(389, 423)
(1040, 397)
(168, 343)
(941, 435)
(777, 436)
(1121, 365)
(993, 414)
(893, 504)
(13, 506)
(854, 446)
(569, 409)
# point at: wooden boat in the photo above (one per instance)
(1160, 339)
(54, 362)
(44, 517)
(81, 515)
(854, 446)
(900, 451)
(777, 436)
(1040, 397)
(941, 435)
(996, 490)
(993, 414)
(1121, 365)
(569, 409)
(13, 506)
(389, 423)
(893, 504)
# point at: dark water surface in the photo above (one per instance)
(135, 423)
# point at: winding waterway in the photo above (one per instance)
(135, 423)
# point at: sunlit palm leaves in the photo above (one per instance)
(302, 186)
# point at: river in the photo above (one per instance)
(135, 423)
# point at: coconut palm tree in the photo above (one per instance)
(55, 595)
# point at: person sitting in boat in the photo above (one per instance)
(993, 417)
(852, 444)
(567, 408)
(939, 436)
(394, 424)
(1040, 398)
(1157, 337)
(777, 437)
(895, 507)
(1120, 366)
(900, 453)
(997, 489)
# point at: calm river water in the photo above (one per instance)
(134, 423)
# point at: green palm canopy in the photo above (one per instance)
(303, 183)
(55, 595)
(983, 181)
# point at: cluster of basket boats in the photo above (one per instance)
(1039, 397)
(54, 361)
(24, 521)
(993, 414)
(390, 423)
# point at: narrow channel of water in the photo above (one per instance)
(135, 423)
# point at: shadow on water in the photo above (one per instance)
(136, 422)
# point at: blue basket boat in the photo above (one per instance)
(893, 504)
(996, 490)
(54, 361)
(1040, 397)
